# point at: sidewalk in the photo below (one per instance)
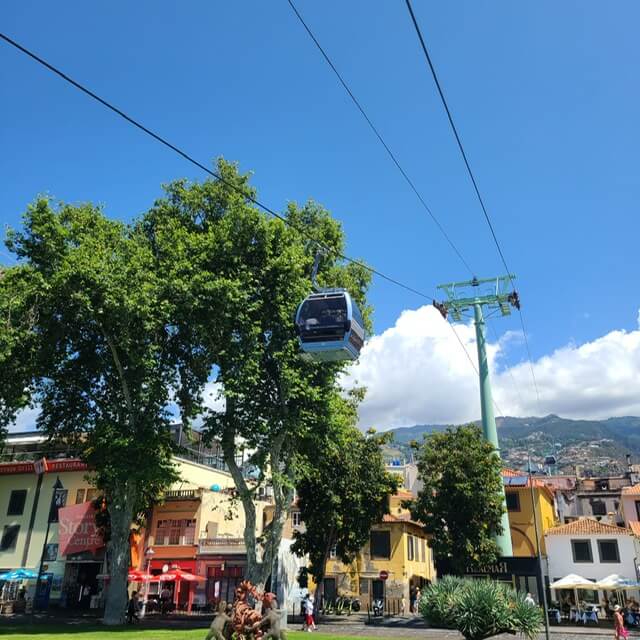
(405, 628)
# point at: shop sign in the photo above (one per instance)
(40, 466)
(66, 465)
(77, 530)
(7, 468)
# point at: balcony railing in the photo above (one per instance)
(221, 544)
(181, 494)
(221, 541)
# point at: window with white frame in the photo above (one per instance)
(296, 518)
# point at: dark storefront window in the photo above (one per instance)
(16, 502)
(608, 551)
(221, 583)
(513, 502)
(380, 544)
(582, 551)
(9, 537)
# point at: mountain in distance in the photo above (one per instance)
(599, 446)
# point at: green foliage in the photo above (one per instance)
(439, 601)
(479, 609)
(461, 502)
(236, 277)
(343, 491)
(106, 325)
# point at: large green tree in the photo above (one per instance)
(87, 336)
(274, 401)
(343, 491)
(106, 325)
(461, 502)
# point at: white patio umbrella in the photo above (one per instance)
(615, 582)
(575, 582)
(618, 583)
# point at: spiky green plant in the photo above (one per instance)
(440, 600)
(479, 609)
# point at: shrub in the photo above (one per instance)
(479, 609)
(439, 601)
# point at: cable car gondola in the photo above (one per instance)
(330, 326)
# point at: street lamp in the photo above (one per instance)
(545, 607)
(53, 508)
(149, 553)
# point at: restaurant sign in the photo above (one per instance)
(43, 466)
(7, 468)
(77, 530)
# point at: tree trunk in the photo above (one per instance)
(319, 578)
(246, 498)
(120, 505)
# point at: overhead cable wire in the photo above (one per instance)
(471, 176)
(217, 176)
(201, 166)
(393, 157)
(378, 135)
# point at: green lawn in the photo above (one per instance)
(82, 632)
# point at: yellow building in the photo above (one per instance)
(520, 507)
(397, 550)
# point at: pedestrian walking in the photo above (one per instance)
(132, 608)
(618, 621)
(307, 607)
(416, 606)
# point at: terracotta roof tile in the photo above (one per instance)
(588, 526)
(389, 517)
(635, 527)
(631, 491)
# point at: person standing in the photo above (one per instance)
(416, 606)
(309, 622)
(132, 608)
(412, 600)
(618, 624)
(529, 600)
(165, 600)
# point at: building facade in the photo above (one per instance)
(191, 528)
(522, 499)
(396, 559)
(592, 549)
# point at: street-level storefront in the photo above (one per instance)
(223, 574)
(519, 573)
(83, 582)
(181, 592)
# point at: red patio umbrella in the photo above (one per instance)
(178, 575)
(136, 575)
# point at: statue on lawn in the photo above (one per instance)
(244, 622)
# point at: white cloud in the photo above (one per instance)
(417, 373)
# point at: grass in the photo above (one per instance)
(44, 632)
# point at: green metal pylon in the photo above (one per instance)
(496, 299)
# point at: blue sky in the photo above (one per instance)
(545, 96)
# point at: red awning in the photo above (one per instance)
(178, 575)
(185, 565)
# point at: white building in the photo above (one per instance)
(593, 550)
